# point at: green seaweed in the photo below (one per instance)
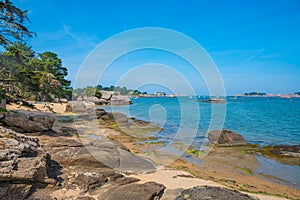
(247, 170)
(186, 197)
(192, 172)
(194, 152)
(154, 142)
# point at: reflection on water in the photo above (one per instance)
(289, 173)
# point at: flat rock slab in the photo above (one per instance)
(146, 191)
(133, 164)
(216, 193)
(96, 152)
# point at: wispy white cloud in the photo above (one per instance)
(254, 55)
(248, 55)
(237, 51)
(68, 32)
(271, 56)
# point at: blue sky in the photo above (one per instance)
(255, 44)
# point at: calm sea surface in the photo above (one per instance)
(264, 121)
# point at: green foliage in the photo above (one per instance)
(34, 77)
(90, 92)
(136, 93)
(96, 91)
(51, 64)
(2, 93)
(13, 24)
(27, 75)
(2, 110)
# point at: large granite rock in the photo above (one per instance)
(115, 116)
(89, 181)
(107, 98)
(24, 165)
(99, 153)
(80, 106)
(57, 100)
(25, 121)
(96, 100)
(146, 191)
(120, 100)
(84, 162)
(226, 138)
(216, 193)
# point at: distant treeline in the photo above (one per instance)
(98, 90)
(298, 93)
(255, 93)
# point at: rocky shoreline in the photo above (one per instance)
(55, 162)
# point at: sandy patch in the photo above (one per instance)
(178, 180)
(58, 108)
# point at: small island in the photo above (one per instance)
(263, 94)
(213, 100)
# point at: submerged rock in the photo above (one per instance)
(25, 121)
(226, 138)
(216, 193)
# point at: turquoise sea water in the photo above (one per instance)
(261, 120)
(264, 121)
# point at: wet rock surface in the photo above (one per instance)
(283, 153)
(216, 193)
(226, 138)
(292, 151)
